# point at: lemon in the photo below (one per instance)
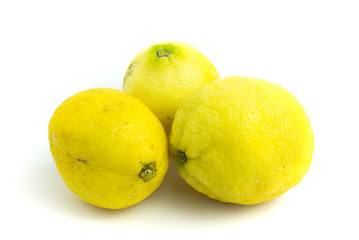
(109, 148)
(242, 140)
(163, 75)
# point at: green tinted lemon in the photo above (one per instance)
(163, 75)
(109, 148)
(242, 140)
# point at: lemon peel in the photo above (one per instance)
(242, 140)
(109, 148)
(163, 75)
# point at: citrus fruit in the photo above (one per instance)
(163, 75)
(109, 148)
(242, 140)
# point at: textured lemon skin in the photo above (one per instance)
(101, 139)
(162, 83)
(246, 140)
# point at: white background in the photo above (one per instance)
(50, 50)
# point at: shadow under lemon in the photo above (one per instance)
(178, 196)
(43, 186)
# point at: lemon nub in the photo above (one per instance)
(162, 53)
(148, 171)
(182, 157)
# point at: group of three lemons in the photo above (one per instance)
(239, 140)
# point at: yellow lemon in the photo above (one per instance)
(242, 140)
(163, 75)
(109, 148)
